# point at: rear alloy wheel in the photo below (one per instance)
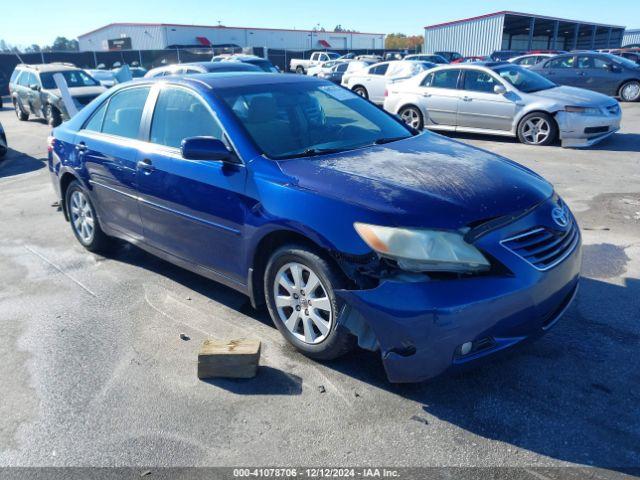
(412, 117)
(52, 115)
(361, 91)
(21, 114)
(630, 91)
(537, 129)
(299, 288)
(83, 218)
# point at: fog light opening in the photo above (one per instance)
(465, 348)
(476, 346)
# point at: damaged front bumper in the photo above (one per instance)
(580, 131)
(420, 327)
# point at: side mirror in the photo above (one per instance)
(35, 87)
(500, 89)
(206, 148)
(614, 68)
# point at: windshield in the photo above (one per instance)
(264, 65)
(524, 80)
(74, 78)
(290, 120)
(623, 61)
(333, 56)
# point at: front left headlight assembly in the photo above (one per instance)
(592, 111)
(421, 250)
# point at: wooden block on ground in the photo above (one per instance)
(233, 359)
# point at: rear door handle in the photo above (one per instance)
(467, 99)
(426, 95)
(145, 165)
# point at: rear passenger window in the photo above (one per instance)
(179, 114)
(124, 112)
(477, 81)
(95, 122)
(442, 79)
(562, 62)
(379, 69)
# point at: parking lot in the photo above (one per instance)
(95, 372)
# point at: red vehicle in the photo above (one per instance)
(471, 59)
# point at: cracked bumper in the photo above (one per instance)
(577, 131)
(420, 326)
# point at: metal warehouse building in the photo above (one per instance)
(631, 37)
(152, 36)
(519, 31)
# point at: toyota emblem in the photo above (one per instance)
(560, 216)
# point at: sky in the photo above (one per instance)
(70, 18)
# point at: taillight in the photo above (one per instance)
(50, 142)
(386, 92)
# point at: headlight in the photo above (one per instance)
(419, 250)
(583, 110)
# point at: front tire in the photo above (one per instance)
(84, 221)
(21, 114)
(412, 116)
(630, 91)
(360, 90)
(299, 290)
(52, 115)
(537, 128)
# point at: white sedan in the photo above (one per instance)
(323, 68)
(372, 82)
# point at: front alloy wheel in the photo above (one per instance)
(630, 91)
(302, 303)
(537, 129)
(299, 287)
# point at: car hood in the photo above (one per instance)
(425, 181)
(81, 91)
(575, 96)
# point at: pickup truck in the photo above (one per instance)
(299, 65)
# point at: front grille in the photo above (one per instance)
(596, 130)
(544, 248)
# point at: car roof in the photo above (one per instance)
(221, 80)
(48, 67)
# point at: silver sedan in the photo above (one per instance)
(504, 99)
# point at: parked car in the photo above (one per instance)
(600, 72)
(529, 60)
(348, 225)
(504, 99)
(4, 146)
(323, 68)
(107, 78)
(34, 91)
(300, 65)
(449, 56)
(201, 67)
(371, 82)
(504, 55)
(435, 58)
(390, 56)
(355, 67)
(262, 63)
(472, 59)
(336, 73)
(136, 71)
(630, 54)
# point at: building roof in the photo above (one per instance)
(125, 24)
(508, 12)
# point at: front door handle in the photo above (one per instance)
(145, 165)
(81, 147)
(426, 95)
(467, 99)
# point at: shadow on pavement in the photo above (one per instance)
(620, 142)
(573, 395)
(17, 163)
(268, 381)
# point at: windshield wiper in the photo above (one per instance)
(312, 152)
(382, 141)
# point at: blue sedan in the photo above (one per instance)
(349, 226)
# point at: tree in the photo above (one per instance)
(400, 41)
(4, 47)
(34, 48)
(62, 44)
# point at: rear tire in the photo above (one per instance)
(3, 149)
(52, 115)
(299, 291)
(537, 128)
(21, 114)
(412, 116)
(84, 221)
(300, 70)
(630, 91)
(360, 90)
